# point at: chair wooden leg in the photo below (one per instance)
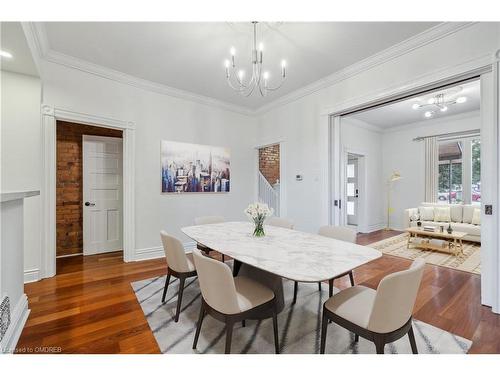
(324, 327)
(236, 267)
(319, 286)
(351, 277)
(198, 326)
(379, 344)
(330, 292)
(295, 288)
(167, 281)
(275, 329)
(356, 338)
(229, 336)
(179, 298)
(413, 343)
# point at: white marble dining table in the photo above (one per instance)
(292, 254)
(284, 253)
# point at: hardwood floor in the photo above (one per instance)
(89, 307)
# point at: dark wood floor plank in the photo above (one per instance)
(90, 307)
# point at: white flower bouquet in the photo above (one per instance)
(258, 212)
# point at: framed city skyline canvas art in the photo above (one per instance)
(194, 168)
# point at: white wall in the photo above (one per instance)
(158, 117)
(300, 124)
(402, 154)
(359, 139)
(20, 155)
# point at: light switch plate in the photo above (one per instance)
(488, 209)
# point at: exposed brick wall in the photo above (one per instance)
(69, 184)
(269, 163)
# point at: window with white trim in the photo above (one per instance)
(459, 169)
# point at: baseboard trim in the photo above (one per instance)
(32, 275)
(375, 227)
(149, 253)
(158, 252)
(18, 320)
(69, 255)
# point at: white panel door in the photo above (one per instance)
(102, 194)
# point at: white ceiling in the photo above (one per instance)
(13, 40)
(401, 113)
(190, 56)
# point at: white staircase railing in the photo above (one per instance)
(269, 194)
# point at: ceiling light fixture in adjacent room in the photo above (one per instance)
(259, 79)
(438, 103)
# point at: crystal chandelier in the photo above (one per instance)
(259, 79)
(438, 103)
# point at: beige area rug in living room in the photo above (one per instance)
(469, 261)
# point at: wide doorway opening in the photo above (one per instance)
(424, 178)
(89, 193)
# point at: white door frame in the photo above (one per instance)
(488, 68)
(283, 210)
(50, 116)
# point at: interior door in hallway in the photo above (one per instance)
(352, 190)
(102, 194)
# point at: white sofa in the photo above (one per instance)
(461, 218)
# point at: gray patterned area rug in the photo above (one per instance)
(298, 326)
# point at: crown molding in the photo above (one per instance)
(417, 41)
(39, 45)
(417, 84)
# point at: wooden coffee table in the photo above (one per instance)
(454, 240)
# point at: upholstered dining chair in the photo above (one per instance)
(231, 300)
(339, 233)
(279, 222)
(380, 316)
(203, 220)
(180, 265)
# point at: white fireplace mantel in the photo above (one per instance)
(14, 195)
(12, 264)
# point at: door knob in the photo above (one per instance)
(88, 204)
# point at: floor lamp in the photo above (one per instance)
(396, 176)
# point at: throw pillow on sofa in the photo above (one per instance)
(476, 216)
(468, 213)
(426, 213)
(442, 214)
(456, 213)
